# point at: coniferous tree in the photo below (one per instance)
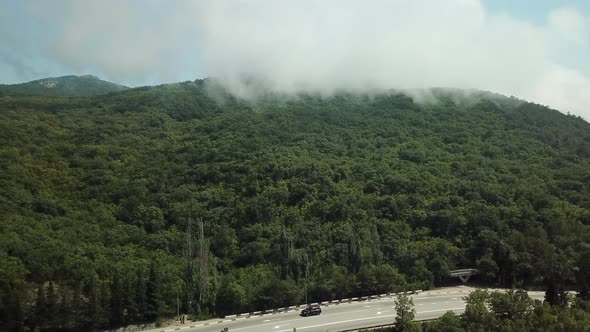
(52, 306)
(65, 309)
(141, 296)
(77, 306)
(153, 295)
(105, 304)
(11, 309)
(40, 308)
(203, 265)
(128, 296)
(92, 312)
(116, 304)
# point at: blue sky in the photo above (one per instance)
(526, 48)
(535, 11)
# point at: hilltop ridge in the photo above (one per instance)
(67, 86)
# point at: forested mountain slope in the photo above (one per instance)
(360, 194)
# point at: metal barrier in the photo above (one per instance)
(382, 326)
(324, 303)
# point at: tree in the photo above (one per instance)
(231, 296)
(128, 293)
(154, 302)
(512, 305)
(53, 320)
(11, 309)
(65, 308)
(477, 316)
(555, 295)
(449, 322)
(40, 308)
(77, 307)
(141, 296)
(12, 292)
(116, 301)
(277, 293)
(488, 268)
(202, 264)
(422, 276)
(92, 315)
(104, 318)
(583, 272)
(149, 217)
(404, 314)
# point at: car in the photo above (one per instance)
(311, 310)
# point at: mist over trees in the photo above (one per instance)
(344, 196)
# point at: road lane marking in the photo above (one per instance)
(339, 322)
(421, 297)
(340, 313)
(295, 320)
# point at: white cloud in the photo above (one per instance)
(318, 45)
(566, 88)
(124, 40)
(570, 25)
(323, 45)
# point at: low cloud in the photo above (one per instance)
(126, 41)
(312, 45)
(338, 44)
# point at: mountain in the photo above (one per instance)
(68, 86)
(342, 196)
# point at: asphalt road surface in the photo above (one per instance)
(428, 304)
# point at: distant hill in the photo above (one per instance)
(67, 86)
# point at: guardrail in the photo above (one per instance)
(382, 326)
(324, 304)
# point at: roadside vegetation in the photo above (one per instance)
(514, 311)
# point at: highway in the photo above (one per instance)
(428, 304)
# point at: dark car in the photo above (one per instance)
(311, 310)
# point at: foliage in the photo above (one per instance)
(405, 314)
(513, 311)
(341, 196)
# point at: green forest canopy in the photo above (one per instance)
(355, 194)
